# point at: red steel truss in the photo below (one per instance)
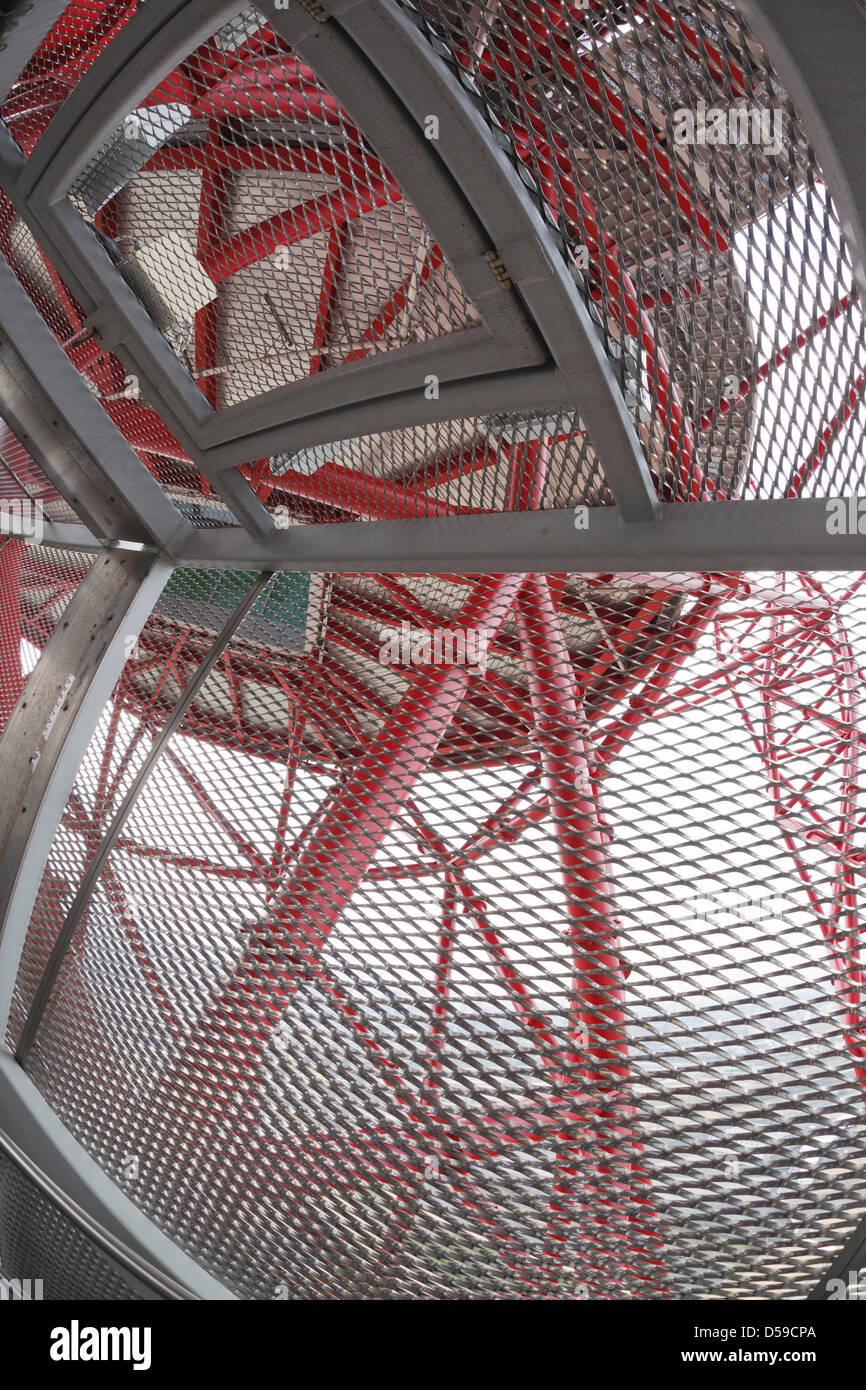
(575, 712)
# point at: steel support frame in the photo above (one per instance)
(69, 435)
(62, 534)
(532, 257)
(494, 216)
(528, 249)
(21, 35)
(33, 1127)
(705, 537)
(140, 1275)
(699, 536)
(40, 753)
(819, 51)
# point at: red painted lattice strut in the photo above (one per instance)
(576, 747)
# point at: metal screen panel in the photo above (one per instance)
(412, 974)
(493, 464)
(83, 31)
(39, 1242)
(661, 145)
(269, 244)
(258, 225)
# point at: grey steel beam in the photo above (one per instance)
(70, 436)
(113, 310)
(59, 534)
(540, 390)
(699, 536)
(470, 353)
(121, 323)
(467, 185)
(150, 45)
(819, 51)
(236, 492)
(21, 33)
(143, 1279)
(36, 1130)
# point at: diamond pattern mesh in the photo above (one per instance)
(472, 937)
(659, 142)
(510, 947)
(119, 393)
(263, 233)
(83, 31)
(269, 244)
(498, 463)
(39, 1242)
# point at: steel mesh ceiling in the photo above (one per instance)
(497, 463)
(68, 51)
(391, 1020)
(725, 259)
(118, 391)
(415, 979)
(717, 273)
(287, 209)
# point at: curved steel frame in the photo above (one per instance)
(539, 351)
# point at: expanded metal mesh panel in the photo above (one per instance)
(41, 1244)
(269, 244)
(259, 227)
(659, 142)
(72, 45)
(494, 938)
(498, 463)
(119, 392)
(24, 489)
(36, 584)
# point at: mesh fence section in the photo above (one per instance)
(44, 1254)
(25, 492)
(119, 392)
(488, 937)
(508, 462)
(83, 31)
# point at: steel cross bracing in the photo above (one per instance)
(539, 350)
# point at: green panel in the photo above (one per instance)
(282, 607)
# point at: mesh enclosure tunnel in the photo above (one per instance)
(431, 650)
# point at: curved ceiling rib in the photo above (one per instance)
(606, 322)
(514, 230)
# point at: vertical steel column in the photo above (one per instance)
(286, 946)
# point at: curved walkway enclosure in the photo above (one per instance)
(432, 640)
